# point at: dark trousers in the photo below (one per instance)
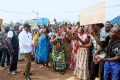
(101, 65)
(5, 53)
(97, 70)
(94, 71)
(0, 55)
(14, 60)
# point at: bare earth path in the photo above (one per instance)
(37, 74)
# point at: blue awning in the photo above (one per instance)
(116, 20)
(43, 21)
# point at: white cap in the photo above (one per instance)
(35, 28)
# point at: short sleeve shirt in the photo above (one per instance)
(10, 34)
(114, 48)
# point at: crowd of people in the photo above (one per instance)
(91, 51)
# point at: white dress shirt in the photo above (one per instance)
(25, 42)
(10, 34)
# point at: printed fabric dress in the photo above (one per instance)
(43, 49)
(67, 49)
(36, 48)
(58, 55)
(81, 68)
(73, 54)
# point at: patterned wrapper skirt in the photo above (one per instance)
(58, 59)
(81, 68)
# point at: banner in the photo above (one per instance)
(92, 15)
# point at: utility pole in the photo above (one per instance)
(37, 15)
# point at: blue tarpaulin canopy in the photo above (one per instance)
(116, 20)
(42, 21)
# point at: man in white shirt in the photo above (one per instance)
(20, 57)
(105, 31)
(26, 44)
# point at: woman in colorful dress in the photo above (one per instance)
(44, 48)
(74, 48)
(74, 52)
(58, 54)
(67, 46)
(36, 35)
(81, 68)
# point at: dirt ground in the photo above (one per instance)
(37, 73)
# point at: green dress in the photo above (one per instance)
(58, 56)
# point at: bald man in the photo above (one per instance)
(112, 60)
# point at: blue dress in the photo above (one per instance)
(43, 50)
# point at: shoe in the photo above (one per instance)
(27, 78)
(17, 71)
(25, 74)
(13, 73)
(9, 72)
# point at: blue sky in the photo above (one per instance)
(59, 9)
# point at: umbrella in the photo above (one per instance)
(116, 20)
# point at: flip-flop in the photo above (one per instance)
(41, 66)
